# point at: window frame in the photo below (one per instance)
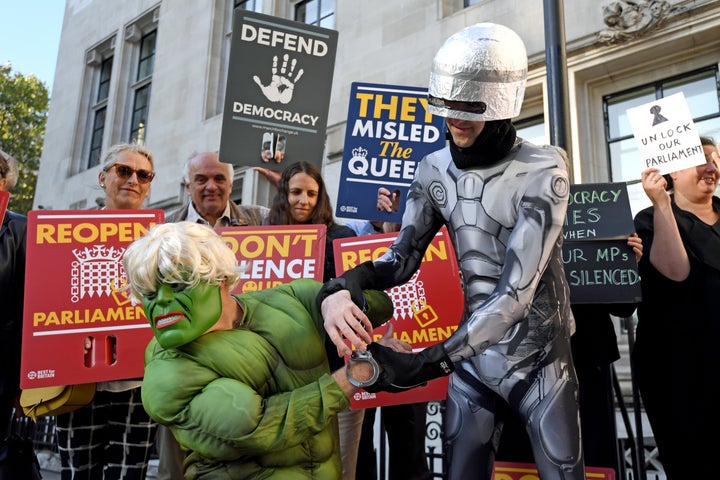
(250, 5)
(138, 66)
(319, 19)
(530, 125)
(99, 109)
(142, 87)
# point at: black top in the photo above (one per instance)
(12, 283)
(594, 342)
(334, 232)
(689, 308)
(675, 353)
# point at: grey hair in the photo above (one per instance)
(182, 253)
(12, 172)
(116, 150)
(186, 168)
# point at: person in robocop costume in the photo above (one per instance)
(503, 200)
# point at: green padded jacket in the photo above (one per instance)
(257, 401)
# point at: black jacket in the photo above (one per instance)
(12, 286)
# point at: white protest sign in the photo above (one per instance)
(666, 135)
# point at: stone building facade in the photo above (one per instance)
(161, 65)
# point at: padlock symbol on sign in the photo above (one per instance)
(423, 313)
(118, 287)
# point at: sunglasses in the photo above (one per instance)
(125, 172)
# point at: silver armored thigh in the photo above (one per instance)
(543, 393)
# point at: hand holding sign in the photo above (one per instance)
(635, 242)
(655, 185)
(387, 201)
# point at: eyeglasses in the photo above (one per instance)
(125, 172)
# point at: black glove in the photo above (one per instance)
(403, 371)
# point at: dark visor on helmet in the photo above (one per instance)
(470, 107)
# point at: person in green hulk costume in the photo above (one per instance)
(242, 381)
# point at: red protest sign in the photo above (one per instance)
(74, 292)
(276, 254)
(427, 308)
(528, 471)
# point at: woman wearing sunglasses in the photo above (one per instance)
(112, 437)
(126, 176)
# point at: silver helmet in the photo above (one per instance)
(479, 74)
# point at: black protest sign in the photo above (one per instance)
(601, 271)
(278, 91)
(598, 211)
(599, 265)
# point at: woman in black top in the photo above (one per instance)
(675, 351)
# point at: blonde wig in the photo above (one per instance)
(181, 254)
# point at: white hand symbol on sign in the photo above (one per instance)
(281, 87)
